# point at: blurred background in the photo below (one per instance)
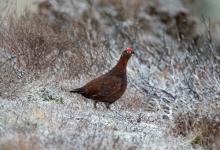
(201, 8)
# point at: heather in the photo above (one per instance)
(172, 99)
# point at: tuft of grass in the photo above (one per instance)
(50, 98)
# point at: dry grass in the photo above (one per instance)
(38, 47)
(202, 128)
(33, 49)
(20, 142)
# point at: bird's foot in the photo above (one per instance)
(95, 104)
(107, 105)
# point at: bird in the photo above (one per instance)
(110, 86)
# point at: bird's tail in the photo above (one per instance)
(79, 91)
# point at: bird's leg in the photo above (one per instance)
(95, 102)
(107, 105)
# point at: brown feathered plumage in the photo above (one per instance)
(108, 87)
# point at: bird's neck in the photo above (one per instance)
(121, 66)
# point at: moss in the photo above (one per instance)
(50, 98)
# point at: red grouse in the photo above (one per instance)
(108, 87)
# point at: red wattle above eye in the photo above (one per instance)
(129, 50)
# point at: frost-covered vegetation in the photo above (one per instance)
(172, 100)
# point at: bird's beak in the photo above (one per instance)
(133, 53)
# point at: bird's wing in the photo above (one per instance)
(111, 86)
(102, 87)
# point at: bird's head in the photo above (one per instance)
(122, 63)
(128, 52)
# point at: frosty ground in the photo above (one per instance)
(172, 99)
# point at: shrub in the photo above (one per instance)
(202, 128)
(36, 49)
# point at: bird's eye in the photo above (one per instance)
(128, 52)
